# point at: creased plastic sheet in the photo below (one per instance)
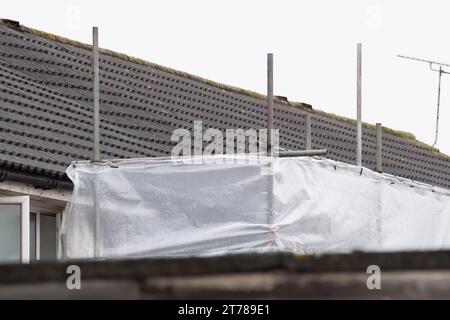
(225, 204)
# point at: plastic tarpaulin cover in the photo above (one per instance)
(224, 204)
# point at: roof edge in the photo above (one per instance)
(37, 181)
(306, 107)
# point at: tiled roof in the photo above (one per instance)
(46, 112)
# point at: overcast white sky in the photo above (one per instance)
(314, 46)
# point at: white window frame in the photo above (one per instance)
(37, 235)
(24, 202)
(58, 217)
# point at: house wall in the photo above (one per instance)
(46, 207)
(49, 201)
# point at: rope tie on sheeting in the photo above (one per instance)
(272, 234)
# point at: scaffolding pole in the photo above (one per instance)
(96, 95)
(270, 192)
(308, 143)
(269, 103)
(358, 108)
(379, 152)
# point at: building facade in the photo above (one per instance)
(46, 123)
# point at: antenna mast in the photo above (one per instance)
(437, 68)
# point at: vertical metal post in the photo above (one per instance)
(358, 107)
(308, 132)
(270, 192)
(379, 193)
(379, 152)
(95, 57)
(269, 102)
(438, 106)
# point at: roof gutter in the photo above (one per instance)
(39, 182)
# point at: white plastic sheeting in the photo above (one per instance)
(222, 204)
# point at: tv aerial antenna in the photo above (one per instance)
(436, 67)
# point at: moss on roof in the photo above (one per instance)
(403, 134)
(253, 94)
(140, 61)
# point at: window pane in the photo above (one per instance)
(48, 237)
(10, 233)
(32, 236)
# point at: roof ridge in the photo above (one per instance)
(306, 107)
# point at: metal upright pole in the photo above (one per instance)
(358, 106)
(269, 103)
(431, 63)
(379, 150)
(438, 106)
(270, 193)
(308, 132)
(95, 57)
